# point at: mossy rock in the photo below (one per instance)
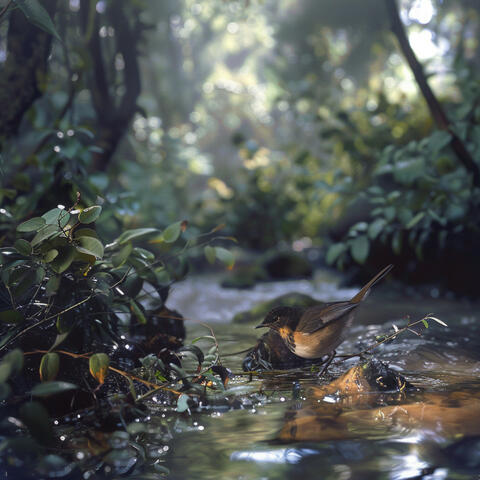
(258, 312)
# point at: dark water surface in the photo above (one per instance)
(284, 429)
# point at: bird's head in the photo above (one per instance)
(280, 317)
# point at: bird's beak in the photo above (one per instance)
(262, 325)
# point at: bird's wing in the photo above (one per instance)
(315, 318)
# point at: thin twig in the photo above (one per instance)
(3, 11)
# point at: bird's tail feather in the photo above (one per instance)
(364, 291)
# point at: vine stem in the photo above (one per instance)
(86, 356)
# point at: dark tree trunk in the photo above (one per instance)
(114, 111)
(436, 109)
(23, 74)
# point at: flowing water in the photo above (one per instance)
(284, 430)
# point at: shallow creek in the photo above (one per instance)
(285, 431)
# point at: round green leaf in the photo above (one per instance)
(98, 364)
(376, 227)
(51, 255)
(172, 232)
(225, 256)
(360, 248)
(63, 260)
(85, 232)
(11, 364)
(90, 246)
(90, 214)
(35, 416)
(23, 247)
(57, 216)
(121, 257)
(182, 403)
(210, 254)
(44, 233)
(52, 285)
(32, 225)
(49, 366)
(334, 251)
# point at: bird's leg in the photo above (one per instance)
(328, 362)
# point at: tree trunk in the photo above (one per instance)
(23, 74)
(436, 109)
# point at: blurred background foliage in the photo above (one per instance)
(298, 124)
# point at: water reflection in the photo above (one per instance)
(432, 434)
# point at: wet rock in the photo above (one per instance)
(373, 376)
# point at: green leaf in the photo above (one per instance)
(51, 388)
(193, 349)
(210, 254)
(397, 242)
(52, 285)
(36, 14)
(389, 213)
(63, 260)
(360, 248)
(51, 255)
(136, 233)
(32, 225)
(35, 416)
(44, 233)
(429, 317)
(49, 366)
(85, 232)
(182, 403)
(90, 246)
(98, 364)
(57, 216)
(64, 324)
(225, 256)
(11, 317)
(59, 339)
(121, 257)
(435, 216)
(137, 311)
(425, 323)
(376, 227)
(144, 254)
(90, 214)
(23, 247)
(334, 251)
(4, 391)
(27, 281)
(11, 364)
(415, 220)
(172, 232)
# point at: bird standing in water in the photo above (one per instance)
(317, 331)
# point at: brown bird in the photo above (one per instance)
(317, 331)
